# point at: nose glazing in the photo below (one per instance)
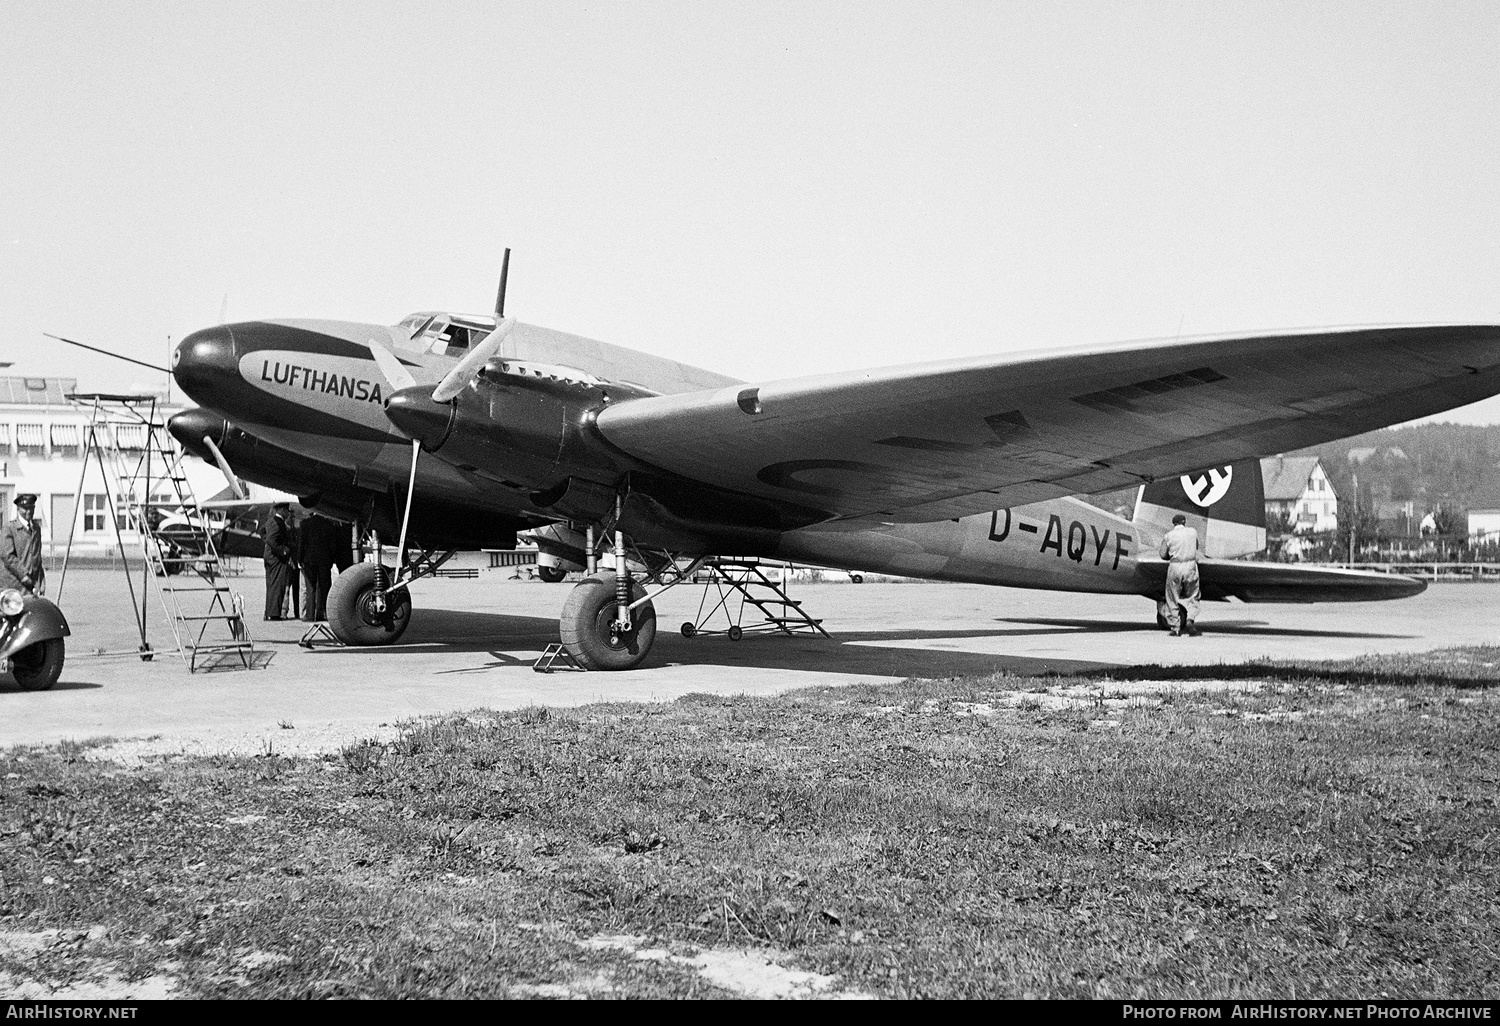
(204, 362)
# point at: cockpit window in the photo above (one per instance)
(456, 336)
(445, 334)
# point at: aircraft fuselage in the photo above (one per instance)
(306, 407)
(301, 405)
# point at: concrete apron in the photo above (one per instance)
(472, 643)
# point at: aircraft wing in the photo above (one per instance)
(934, 441)
(1286, 582)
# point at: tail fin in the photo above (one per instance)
(1225, 505)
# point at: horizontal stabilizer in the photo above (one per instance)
(1286, 582)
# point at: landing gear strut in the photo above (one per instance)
(607, 622)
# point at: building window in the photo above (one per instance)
(65, 441)
(123, 520)
(94, 513)
(31, 440)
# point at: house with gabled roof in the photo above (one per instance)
(1297, 487)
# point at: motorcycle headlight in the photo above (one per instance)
(10, 602)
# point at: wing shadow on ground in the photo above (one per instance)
(876, 653)
(1235, 628)
(497, 633)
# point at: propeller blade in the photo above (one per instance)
(455, 380)
(500, 296)
(234, 483)
(106, 352)
(398, 376)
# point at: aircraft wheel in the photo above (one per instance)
(551, 574)
(735, 633)
(352, 615)
(37, 667)
(688, 630)
(585, 626)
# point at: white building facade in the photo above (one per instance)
(1298, 487)
(42, 446)
(1484, 526)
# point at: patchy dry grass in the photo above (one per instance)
(1309, 831)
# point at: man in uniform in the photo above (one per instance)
(21, 549)
(278, 555)
(1180, 549)
(317, 551)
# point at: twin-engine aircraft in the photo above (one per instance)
(959, 470)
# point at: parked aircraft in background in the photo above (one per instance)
(960, 470)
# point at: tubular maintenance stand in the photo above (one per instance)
(142, 471)
(746, 580)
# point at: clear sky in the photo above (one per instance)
(762, 188)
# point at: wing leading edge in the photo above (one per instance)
(934, 441)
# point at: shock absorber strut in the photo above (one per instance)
(622, 575)
(377, 600)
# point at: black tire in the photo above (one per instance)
(688, 630)
(551, 574)
(37, 667)
(585, 620)
(735, 633)
(351, 609)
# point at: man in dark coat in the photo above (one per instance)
(21, 549)
(279, 555)
(318, 551)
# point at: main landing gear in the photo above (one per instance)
(370, 603)
(594, 635)
(608, 621)
(362, 612)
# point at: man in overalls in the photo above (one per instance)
(1180, 549)
(21, 549)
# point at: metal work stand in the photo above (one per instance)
(144, 483)
(745, 581)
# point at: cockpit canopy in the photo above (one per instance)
(444, 333)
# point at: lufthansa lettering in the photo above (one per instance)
(309, 380)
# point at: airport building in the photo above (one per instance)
(43, 435)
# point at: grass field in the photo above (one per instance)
(1276, 831)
